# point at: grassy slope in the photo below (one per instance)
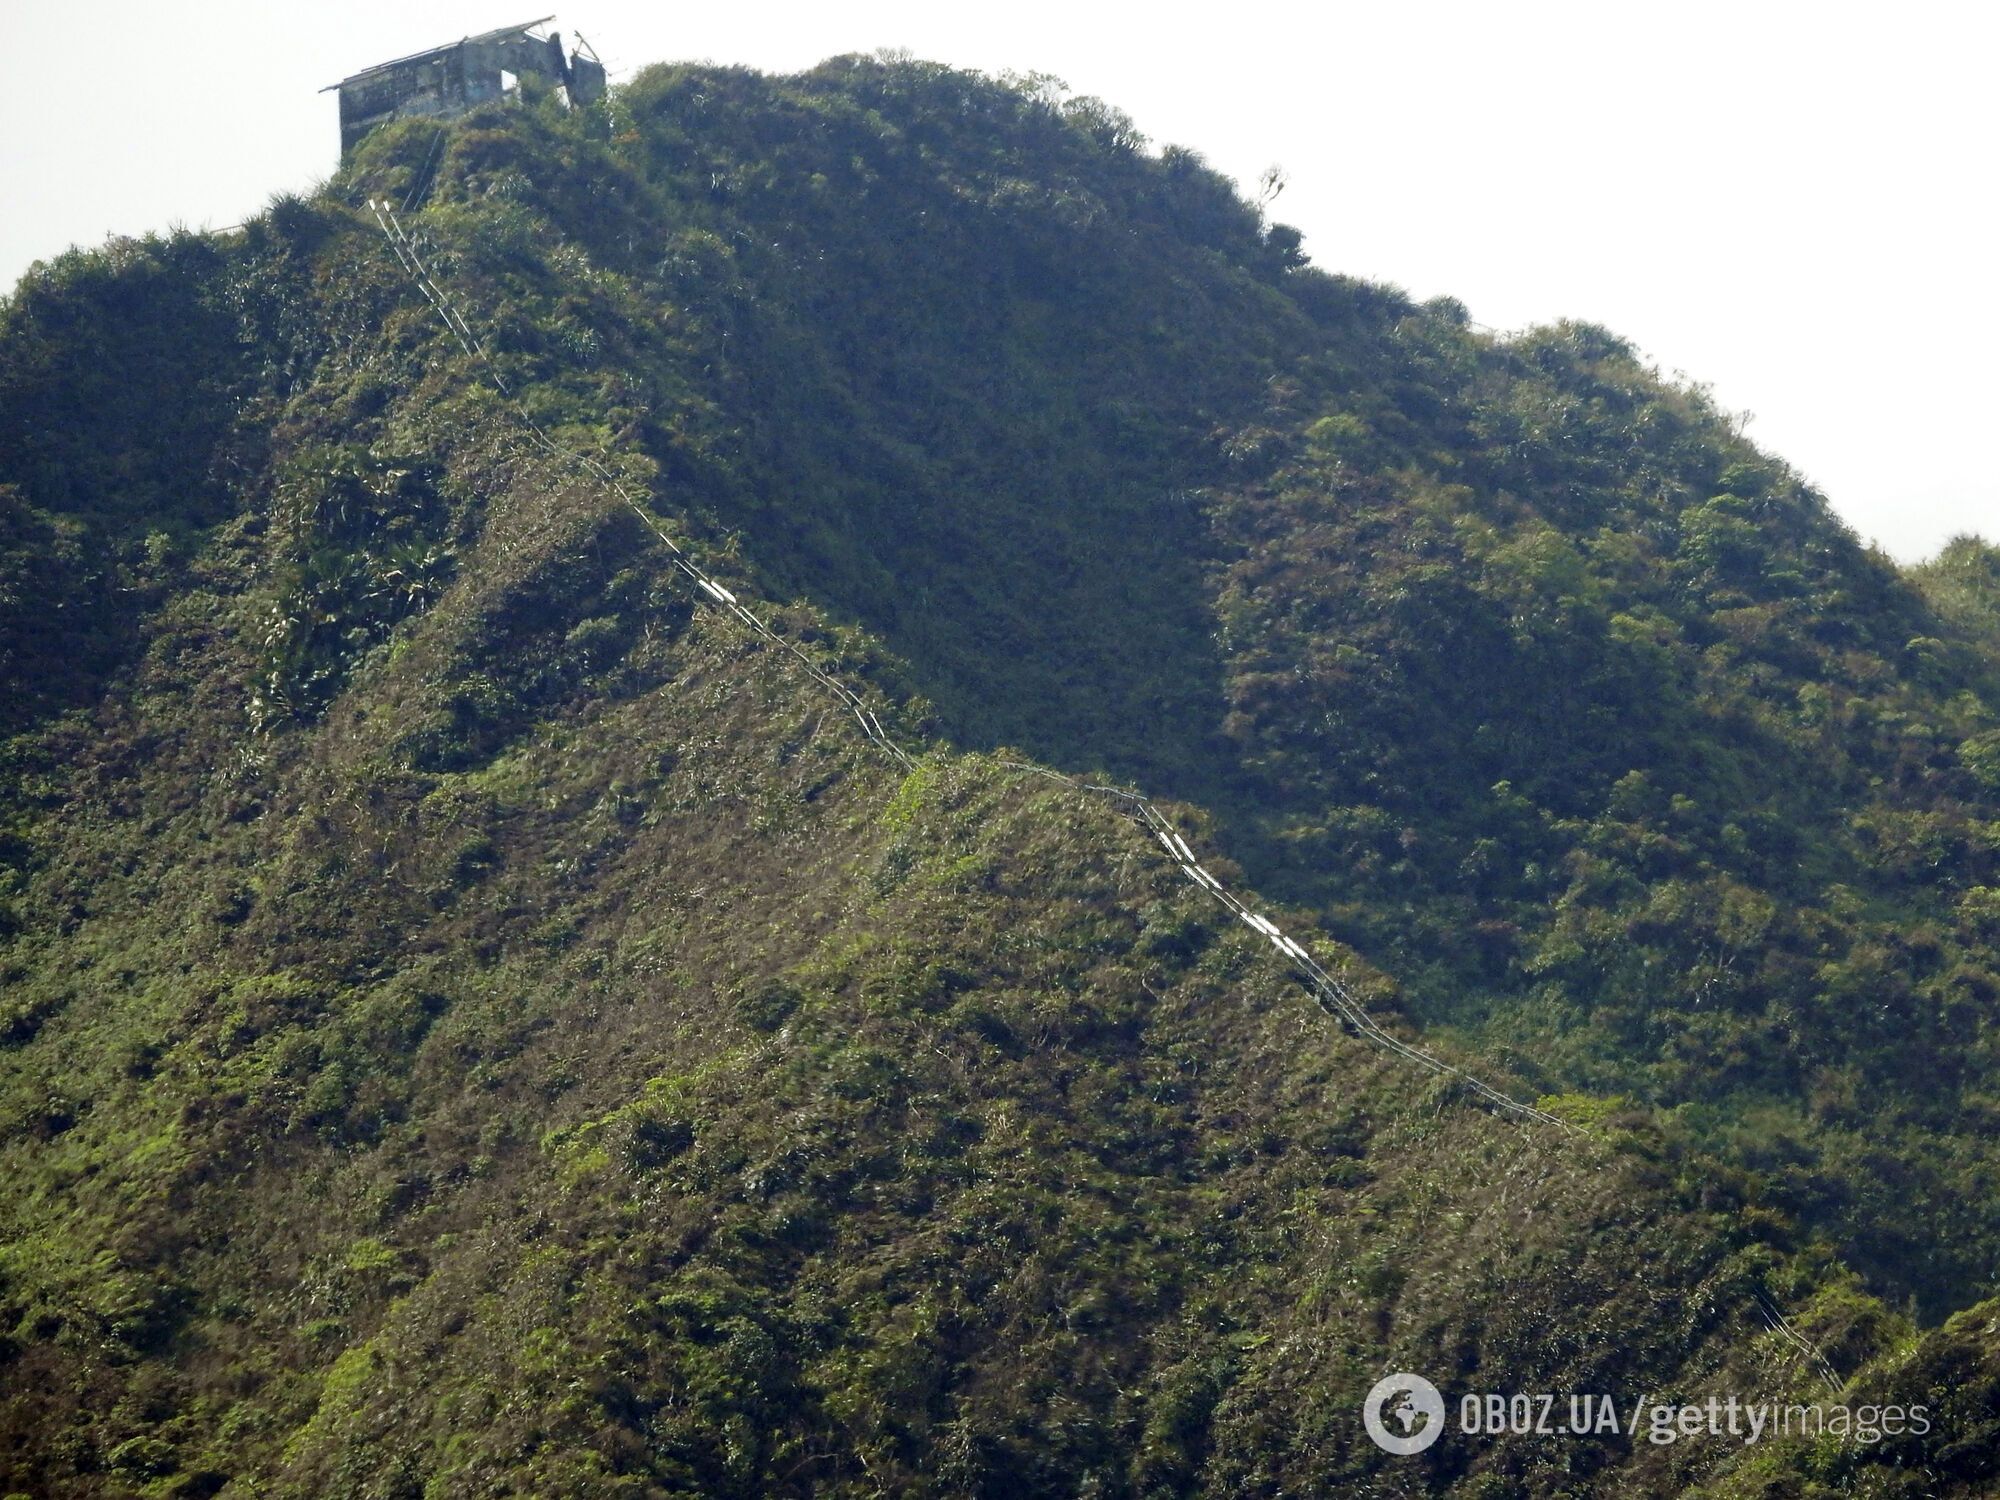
(668, 1092)
(1514, 662)
(472, 1020)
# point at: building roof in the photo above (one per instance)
(397, 62)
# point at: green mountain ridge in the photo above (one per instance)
(477, 1023)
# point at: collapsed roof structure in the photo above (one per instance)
(447, 81)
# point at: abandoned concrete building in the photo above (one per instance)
(447, 81)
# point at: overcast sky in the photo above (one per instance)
(1791, 203)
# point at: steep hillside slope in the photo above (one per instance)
(636, 1087)
(477, 1022)
(1515, 663)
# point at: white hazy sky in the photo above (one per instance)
(1792, 202)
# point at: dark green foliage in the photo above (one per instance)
(362, 550)
(116, 379)
(1405, 606)
(56, 635)
(475, 1024)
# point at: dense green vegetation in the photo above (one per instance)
(473, 1023)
